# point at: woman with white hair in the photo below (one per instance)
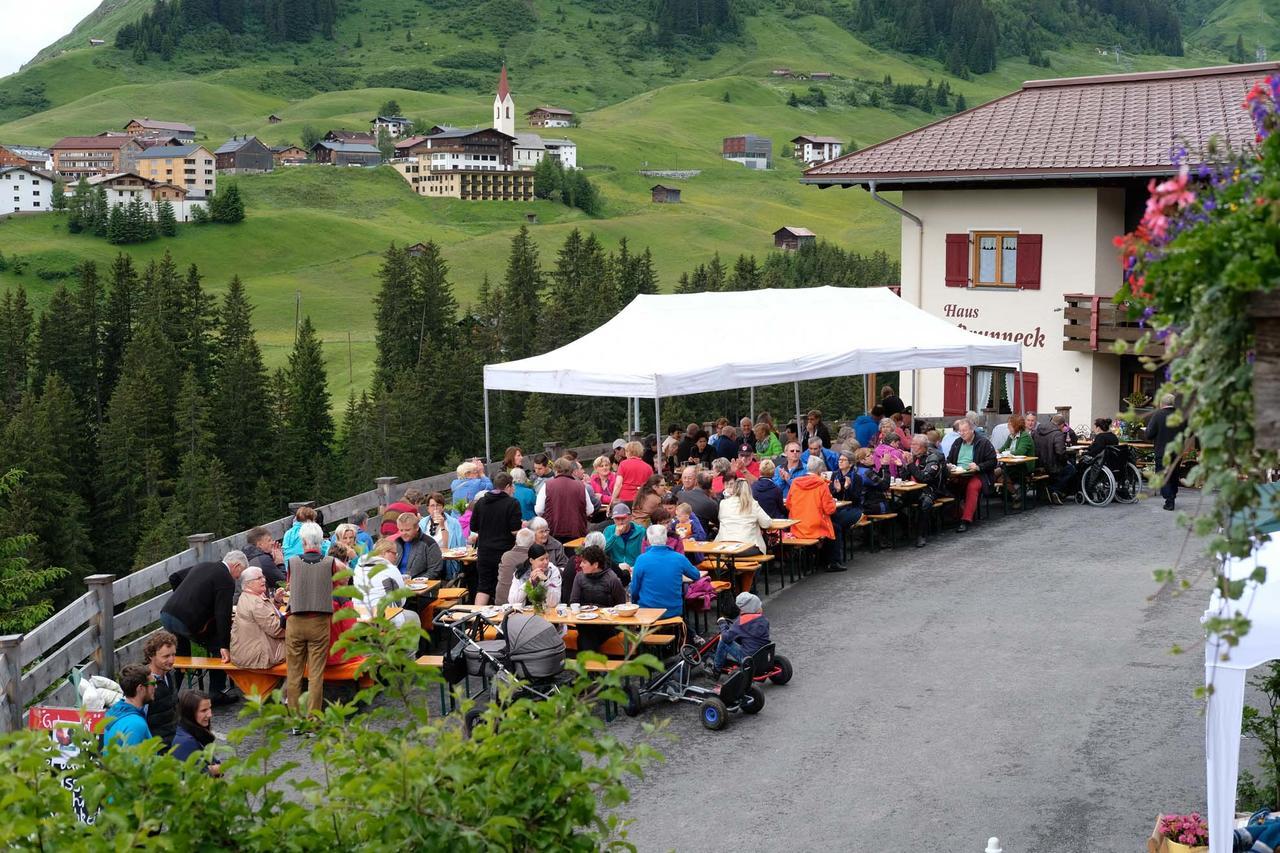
(658, 577)
(470, 481)
(257, 628)
(742, 519)
(555, 549)
(377, 575)
(348, 535)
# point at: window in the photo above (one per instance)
(995, 259)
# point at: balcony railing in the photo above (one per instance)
(1094, 323)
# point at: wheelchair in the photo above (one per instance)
(1112, 475)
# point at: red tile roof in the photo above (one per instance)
(552, 110)
(93, 142)
(503, 88)
(1066, 129)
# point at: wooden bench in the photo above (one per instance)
(875, 520)
(263, 681)
(801, 549)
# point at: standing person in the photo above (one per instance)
(261, 551)
(632, 474)
(291, 546)
(1162, 434)
(162, 711)
(470, 481)
(891, 402)
(310, 618)
(812, 506)
(602, 480)
(195, 732)
(974, 454)
(257, 633)
(867, 426)
(494, 523)
(126, 724)
(200, 610)
(815, 426)
(512, 459)
(565, 503)
(926, 466)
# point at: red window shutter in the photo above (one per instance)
(1029, 382)
(955, 391)
(1029, 261)
(957, 260)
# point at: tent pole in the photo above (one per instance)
(799, 421)
(638, 414)
(752, 404)
(657, 419)
(488, 454)
(1022, 391)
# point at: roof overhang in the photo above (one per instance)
(955, 180)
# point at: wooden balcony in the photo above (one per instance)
(1094, 323)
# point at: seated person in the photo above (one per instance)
(349, 535)
(470, 482)
(767, 492)
(658, 578)
(845, 485)
(257, 630)
(378, 574)
(622, 539)
(687, 524)
(537, 570)
(748, 634)
(594, 584)
(889, 453)
(811, 505)
(701, 453)
(816, 448)
(742, 519)
(1103, 438)
(125, 721)
(928, 467)
(1019, 443)
(973, 459)
(194, 733)
(875, 483)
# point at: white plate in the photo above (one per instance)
(588, 616)
(587, 608)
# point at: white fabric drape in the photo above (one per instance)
(1008, 388)
(1222, 752)
(984, 380)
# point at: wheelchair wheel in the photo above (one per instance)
(1098, 486)
(1129, 486)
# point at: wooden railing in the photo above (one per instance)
(1094, 323)
(108, 625)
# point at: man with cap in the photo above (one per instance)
(622, 539)
(746, 635)
(619, 451)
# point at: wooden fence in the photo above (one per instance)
(106, 627)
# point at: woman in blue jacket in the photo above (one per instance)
(195, 718)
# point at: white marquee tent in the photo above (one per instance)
(1261, 604)
(698, 342)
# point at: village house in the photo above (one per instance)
(664, 195)
(26, 155)
(821, 75)
(1008, 213)
(550, 117)
(25, 190)
(274, 119)
(9, 158)
(124, 187)
(334, 153)
(97, 42)
(790, 238)
(754, 152)
(358, 136)
(528, 150)
(192, 167)
(781, 72)
(564, 150)
(289, 155)
(148, 127)
(395, 126)
(157, 141)
(77, 157)
(244, 154)
(482, 148)
(816, 149)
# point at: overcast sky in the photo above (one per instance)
(29, 26)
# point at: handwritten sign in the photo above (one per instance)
(61, 724)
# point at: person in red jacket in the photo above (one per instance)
(810, 503)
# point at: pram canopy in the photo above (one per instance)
(534, 646)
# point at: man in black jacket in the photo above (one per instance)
(1161, 433)
(162, 711)
(974, 458)
(926, 466)
(1051, 449)
(494, 522)
(258, 553)
(200, 610)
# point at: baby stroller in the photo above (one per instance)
(528, 655)
(736, 694)
(1111, 475)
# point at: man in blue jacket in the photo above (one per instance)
(829, 457)
(867, 427)
(790, 469)
(657, 580)
(126, 723)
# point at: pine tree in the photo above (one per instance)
(646, 277)
(24, 590)
(397, 318)
(715, 274)
(59, 201)
(191, 321)
(16, 329)
(438, 306)
(547, 178)
(118, 230)
(746, 274)
(308, 427)
(51, 353)
(519, 305)
(101, 212)
(227, 206)
(161, 534)
(86, 344)
(166, 221)
(624, 273)
(117, 320)
(961, 106)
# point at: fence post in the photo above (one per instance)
(11, 648)
(104, 595)
(386, 487)
(200, 542)
(553, 449)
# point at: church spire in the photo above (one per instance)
(504, 107)
(503, 89)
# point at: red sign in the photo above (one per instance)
(46, 717)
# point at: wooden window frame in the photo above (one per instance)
(976, 259)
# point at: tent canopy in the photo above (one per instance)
(688, 343)
(1261, 603)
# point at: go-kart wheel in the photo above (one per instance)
(714, 714)
(752, 701)
(469, 721)
(635, 704)
(783, 675)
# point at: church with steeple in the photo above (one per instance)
(529, 148)
(504, 108)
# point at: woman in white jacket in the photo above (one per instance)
(538, 569)
(741, 518)
(378, 574)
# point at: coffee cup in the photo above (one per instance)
(575, 607)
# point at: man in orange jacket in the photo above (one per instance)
(810, 503)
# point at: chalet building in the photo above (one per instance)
(395, 126)
(550, 117)
(417, 250)
(790, 238)
(192, 167)
(25, 190)
(754, 152)
(781, 72)
(147, 127)
(76, 157)
(124, 187)
(9, 158)
(816, 149)
(346, 153)
(97, 42)
(484, 149)
(36, 158)
(289, 155)
(664, 195)
(358, 136)
(244, 154)
(274, 119)
(1009, 211)
(157, 141)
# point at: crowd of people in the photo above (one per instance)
(628, 513)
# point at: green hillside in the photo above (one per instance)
(315, 233)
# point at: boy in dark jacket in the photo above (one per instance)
(747, 635)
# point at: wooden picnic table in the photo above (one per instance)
(1139, 445)
(778, 524)
(642, 618)
(721, 553)
(906, 487)
(575, 544)
(462, 555)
